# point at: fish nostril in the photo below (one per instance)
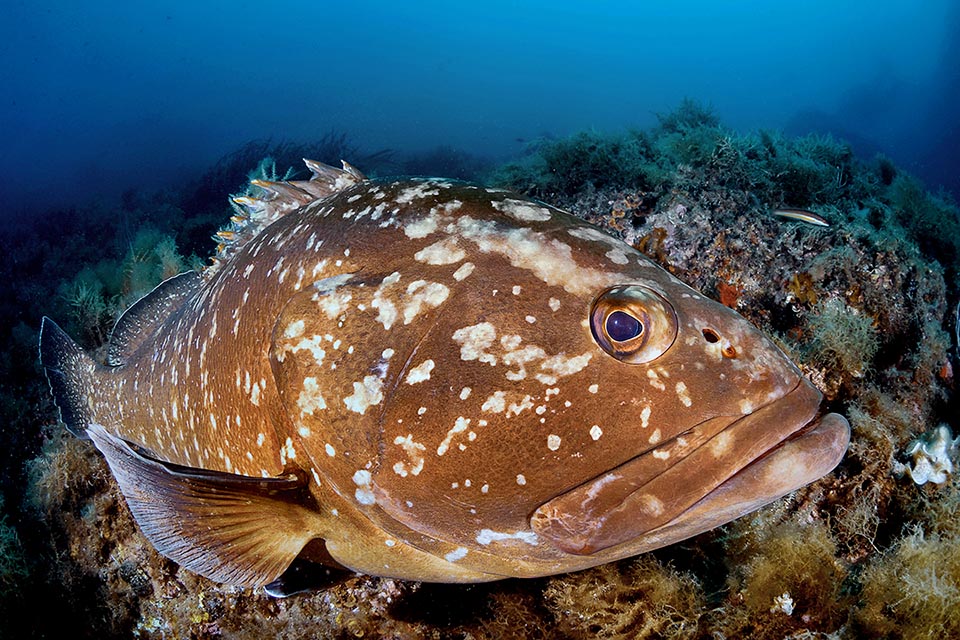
(711, 336)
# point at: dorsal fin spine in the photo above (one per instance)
(254, 211)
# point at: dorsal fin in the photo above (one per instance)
(141, 320)
(234, 529)
(270, 200)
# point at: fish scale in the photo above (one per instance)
(433, 380)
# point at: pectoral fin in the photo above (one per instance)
(233, 529)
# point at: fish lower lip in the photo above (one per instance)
(807, 455)
(626, 504)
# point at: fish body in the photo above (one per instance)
(432, 380)
(802, 215)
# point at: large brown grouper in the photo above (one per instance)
(435, 381)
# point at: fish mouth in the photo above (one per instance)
(722, 469)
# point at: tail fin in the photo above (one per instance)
(70, 373)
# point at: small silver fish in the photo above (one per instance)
(802, 215)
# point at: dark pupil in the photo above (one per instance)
(623, 326)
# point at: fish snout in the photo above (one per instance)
(744, 369)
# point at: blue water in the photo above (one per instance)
(104, 96)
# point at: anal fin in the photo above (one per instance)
(233, 529)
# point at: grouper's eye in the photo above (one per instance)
(633, 324)
(621, 326)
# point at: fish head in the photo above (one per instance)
(688, 395)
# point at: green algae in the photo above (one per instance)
(642, 598)
(913, 589)
(844, 340)
(13, 563)
(99, 293)
(791, 561)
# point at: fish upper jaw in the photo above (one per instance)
(640, 499)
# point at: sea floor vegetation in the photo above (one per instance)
(864, 306)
